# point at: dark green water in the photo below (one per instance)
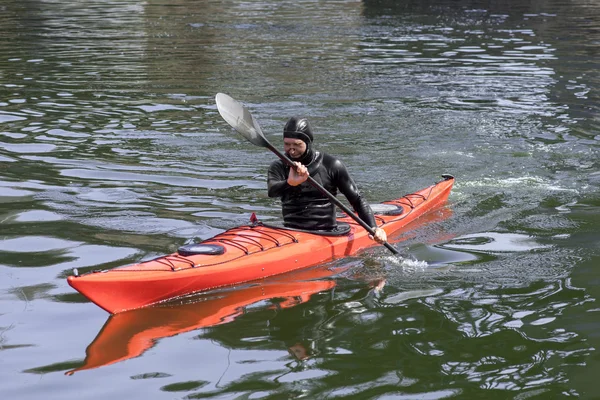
(112, 151)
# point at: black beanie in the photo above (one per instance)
(298, 128)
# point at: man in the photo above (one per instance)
(304, 206)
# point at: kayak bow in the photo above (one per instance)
(246, 253)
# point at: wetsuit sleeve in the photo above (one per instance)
(349, 189)
(277, 179)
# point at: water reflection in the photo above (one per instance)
(130, 334)
(494, 242)
(395, 329)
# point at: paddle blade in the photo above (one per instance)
(238, 116)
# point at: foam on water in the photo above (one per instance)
(407, 264)
(516, 182)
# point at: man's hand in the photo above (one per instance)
(380, 236)
(298, 174)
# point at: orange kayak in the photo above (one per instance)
(247, 253)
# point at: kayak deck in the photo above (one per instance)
(243, 254)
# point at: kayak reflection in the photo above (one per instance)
(131, 333)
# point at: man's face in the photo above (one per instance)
(294, 147)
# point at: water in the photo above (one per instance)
(112, 151)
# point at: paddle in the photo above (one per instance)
(238, 116)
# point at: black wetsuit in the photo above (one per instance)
(304, 206)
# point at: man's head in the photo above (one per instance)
(297, 137)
